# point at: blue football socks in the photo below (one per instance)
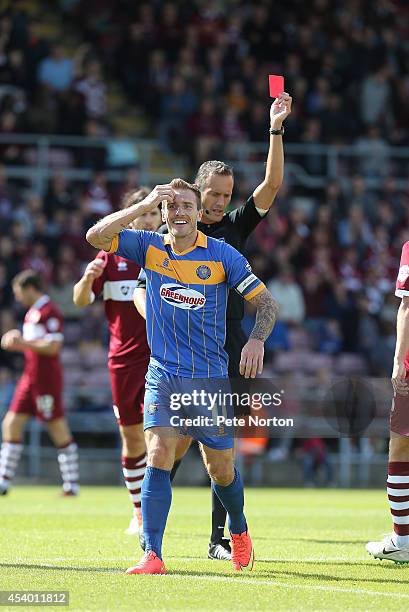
(232, 498)
(156, 499)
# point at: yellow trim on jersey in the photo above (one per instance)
(255, 291)
(183, 270)
(114, 244)
(201, 241)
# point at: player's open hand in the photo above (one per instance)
(280, 109)
(94, 269)
(252, 355)
(159, 194)
(10, 340)
(399, 381)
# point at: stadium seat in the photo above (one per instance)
(299, 339)
(350, 363)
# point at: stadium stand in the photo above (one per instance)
(110, 71)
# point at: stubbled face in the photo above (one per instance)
(150, 221)
(216, 197)
(181, 215)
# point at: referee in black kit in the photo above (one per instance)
(215, 181)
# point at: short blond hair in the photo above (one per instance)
(179, 183)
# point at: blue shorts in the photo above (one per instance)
(191, 406)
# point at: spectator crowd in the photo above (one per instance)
(197, 73)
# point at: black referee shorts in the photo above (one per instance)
(235, 340)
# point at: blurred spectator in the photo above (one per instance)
(354, 230)
(376, 98)
(7, 385)
(97, 200)
(59, 196)
(287, 292)
(92, 87)
(374, 153)
(204, 129)
(61, 289)
(315, 461)
(122, 153)
(56, 71)
(176, 107)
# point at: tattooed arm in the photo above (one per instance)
(251, 362)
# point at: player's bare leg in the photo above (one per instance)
(12, 431)
(67, 450)
(227, 484)
(161, 445)
(133, 468)
(395, 547)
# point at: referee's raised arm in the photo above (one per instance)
(102, 233)
(265, 193)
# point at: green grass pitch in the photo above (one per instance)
(309, 544)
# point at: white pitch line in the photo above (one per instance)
(241, 579)
(285, 585)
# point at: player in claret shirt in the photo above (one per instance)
(395, 547)
(39, 391)
(128, 358)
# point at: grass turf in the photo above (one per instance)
(309, 544)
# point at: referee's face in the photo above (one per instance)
(181, 215)
(216, 197)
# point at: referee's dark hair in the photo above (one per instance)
(28, 278)
(211, 167)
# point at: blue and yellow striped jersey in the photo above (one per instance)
(186, 298)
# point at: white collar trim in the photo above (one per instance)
(40, 302)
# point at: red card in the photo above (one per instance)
(276, 84)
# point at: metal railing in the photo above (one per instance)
(41, 148)
(307, 165)
(330, 162)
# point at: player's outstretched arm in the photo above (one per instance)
(139, 300)
(399, 381)
(14, 342)
(252, 355)
(266, 192)
(82, 292)
(103, 232)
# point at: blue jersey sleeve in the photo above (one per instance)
(132, 245)
(238, 273)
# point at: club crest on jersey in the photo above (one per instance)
(122, 266)
(203, 272)
(182, 297)
(403, 274)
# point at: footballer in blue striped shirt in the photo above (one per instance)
(188, 279)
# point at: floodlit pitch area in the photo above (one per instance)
(310, 552)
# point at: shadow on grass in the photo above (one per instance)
(272, 538)
(283, 574)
